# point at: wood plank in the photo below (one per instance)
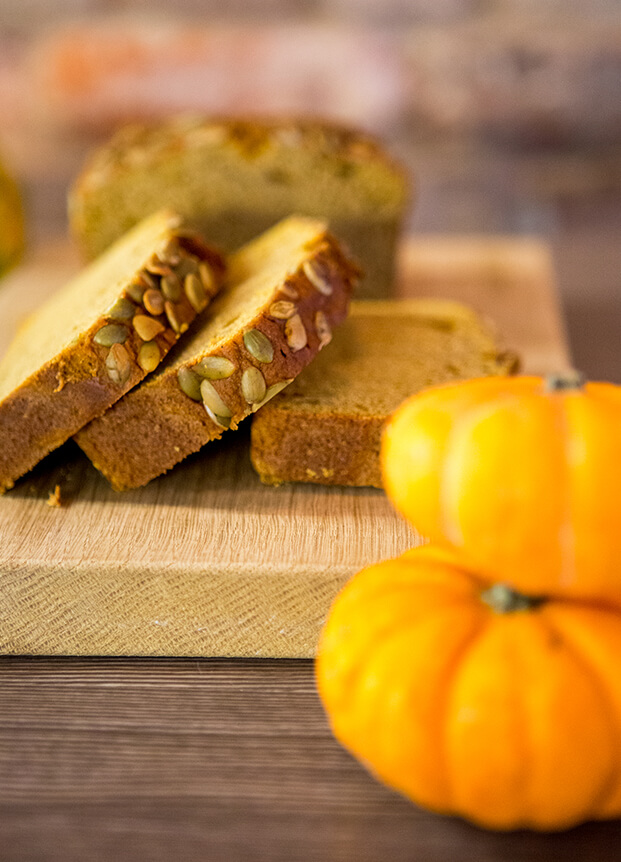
(207, 561)
(226, 760)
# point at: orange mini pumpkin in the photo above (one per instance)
(522, 474)
(11, 222)
(473, 700)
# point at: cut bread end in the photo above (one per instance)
(326, 428)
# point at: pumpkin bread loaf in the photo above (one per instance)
(99, 336)
(285, 292)
(233, 179)
(326, 427)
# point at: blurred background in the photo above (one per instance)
(508, 112)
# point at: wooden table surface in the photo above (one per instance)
(216, 759)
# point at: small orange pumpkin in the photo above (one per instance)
(474, 700)
(522, 474)
(11, 222)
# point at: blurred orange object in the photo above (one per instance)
(11, 222)
(96, 76)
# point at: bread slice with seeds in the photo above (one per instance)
(99, 336)
(256, 172)
(326, 427)
(285, 292)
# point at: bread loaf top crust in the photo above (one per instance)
(234, 178)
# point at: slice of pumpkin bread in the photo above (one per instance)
(326, 427)
(256, 172)
(285, 292)
(99, 336)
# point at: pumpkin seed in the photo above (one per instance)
(190, 383)
(171, 287)
(289, 291)
(272, 390)
(149, 356)
(173, 318)
(118, 364)
(295, 333)
(153, 301)
(112, 333)
(214, 367)
(222, 421)
(158, 267)
(136, 291)
(253, 385)
(207, 278)
(258, 345)
(148, 279)
(316, 278)
(282, 309)
(195, 292)
(216, 409)
(186, 265)
(323, 329)
(147, 327)
(122, 309)
(169, 252)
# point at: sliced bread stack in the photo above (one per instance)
(286, 290)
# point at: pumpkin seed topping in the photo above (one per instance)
(323, 329)
(112, 333)
(216, 409)
(289, 291)
(158, 267)
(207, 277)
(147, 327)
(282, 309)
(118, 364)
(214, 367)
(148, 279)
(259, 345)
(272, 390)
(295, 333)
(149, 356)
(171, 287)
(169, 252)
(153, 301)
(190, 383)
(177, 325)
(222, 421)
(253, 385)
(195, 292)
(187, 265)
(316, 278)
(136, 291)
(122, 309)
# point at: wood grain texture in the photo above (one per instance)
(222, 760)
(206, 561)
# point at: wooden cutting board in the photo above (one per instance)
(206, 561)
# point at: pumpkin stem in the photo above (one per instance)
(564, 381)
(505, 600)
